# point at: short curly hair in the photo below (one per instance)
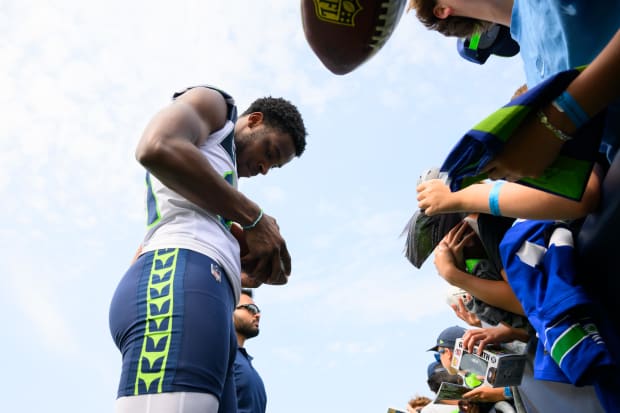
(452, 26)
(282, 115)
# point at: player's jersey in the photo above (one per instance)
(175, 222)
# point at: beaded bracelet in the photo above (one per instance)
(253, 224)
(557, 132)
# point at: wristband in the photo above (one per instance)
(507, 393)
(253, 224)
(494, 198)
(558, 133)
(567, 104)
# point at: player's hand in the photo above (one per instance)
(530, 150)
(268, 260)
(435, 197)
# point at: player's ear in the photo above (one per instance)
(255, 119)
(442, 12)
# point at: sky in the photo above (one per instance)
(78, 83)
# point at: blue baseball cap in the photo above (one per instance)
(434, 367)
(496, 40)
(447, 338)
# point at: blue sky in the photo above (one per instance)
(79, 81)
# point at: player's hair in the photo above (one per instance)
(282, 115)
(247, 292)
(454, 26)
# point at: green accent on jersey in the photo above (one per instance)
(566, 342)
(229, 176)
(156, 343)
(470, 263)
(504, 121)
(150, 205)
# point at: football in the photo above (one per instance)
(346, 33)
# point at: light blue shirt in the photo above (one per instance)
(557, 35)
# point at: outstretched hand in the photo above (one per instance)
(449, 252)
(435, 197)
(464, 314)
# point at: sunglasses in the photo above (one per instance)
(441, 350)
(252, 308)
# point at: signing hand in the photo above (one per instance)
(268, 260)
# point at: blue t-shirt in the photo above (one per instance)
(251, 395)
(557, 35)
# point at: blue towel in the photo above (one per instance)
(567, 176)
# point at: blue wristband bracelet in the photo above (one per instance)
(494, 198)
(567, 104)
(253, 224)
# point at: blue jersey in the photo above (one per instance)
(538, 257)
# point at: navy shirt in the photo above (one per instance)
(251, 395)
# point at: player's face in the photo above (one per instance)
(261, 149)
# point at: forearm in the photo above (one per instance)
(595, 88)
(495, 293)
(520, 201)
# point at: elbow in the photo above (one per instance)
(589, 203)
(150, 150)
